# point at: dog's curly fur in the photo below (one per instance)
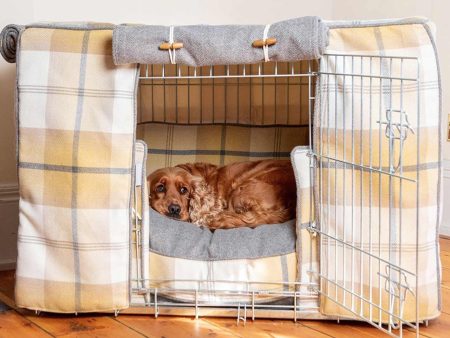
(240, 194)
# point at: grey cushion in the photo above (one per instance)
(179, 239)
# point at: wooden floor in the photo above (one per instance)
(20, 323)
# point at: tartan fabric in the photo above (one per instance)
(181, 275)
(169, 145)
(75, 152)
(369, 209)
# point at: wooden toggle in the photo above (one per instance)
(266, 42)
(168, 45)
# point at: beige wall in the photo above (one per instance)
(185, 12)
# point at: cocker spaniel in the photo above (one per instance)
(241, 194)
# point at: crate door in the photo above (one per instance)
(367, 163)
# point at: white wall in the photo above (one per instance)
(186, 12)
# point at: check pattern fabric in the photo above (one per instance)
(169, 145)
(76, 122)
(174, 277)
(369, 216)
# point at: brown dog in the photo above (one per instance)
(240, 194)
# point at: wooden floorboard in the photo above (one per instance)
(173, 327)
(13, 324)
(82, 326)
(22, 323)
(344, 329)
(446, 277)
(267, 328)
(7, 283)
(437, 328)
(444, 244)
(445, 293)
(445, 258)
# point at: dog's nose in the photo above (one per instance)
(174, 209)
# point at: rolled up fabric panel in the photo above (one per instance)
(9, 38)
(296, 39)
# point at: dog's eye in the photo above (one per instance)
(160, 188)
(183, 190)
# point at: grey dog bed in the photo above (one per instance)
(180, 239)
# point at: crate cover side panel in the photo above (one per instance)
(355, 119)
(75, 151)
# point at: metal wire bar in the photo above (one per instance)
(370, 193)
(382, 260)
(374, 324)
(352, 222)
(328, 178)
(221, 281)
(224, 124)
(380, 148)
(417, 198)
(361, 276)
(344, 220)
(391, 202)
(311, 168)
(224, 76)
(383, 310)
(161, 304)
(370, 76)
(335, 180)
(366, 168)
(261, 296)
(375, 56)
(225, 292)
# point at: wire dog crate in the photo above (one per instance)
(178, 88)
(360, 121)
(235, 94)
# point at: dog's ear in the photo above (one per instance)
(153, 178)
(149, 187)
(150, 179)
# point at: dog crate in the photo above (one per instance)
(354, 105)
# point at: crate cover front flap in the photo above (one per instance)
(76, 125)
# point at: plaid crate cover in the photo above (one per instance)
(342, 115)
(169, 145)
(76, 147)
(76, 122)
